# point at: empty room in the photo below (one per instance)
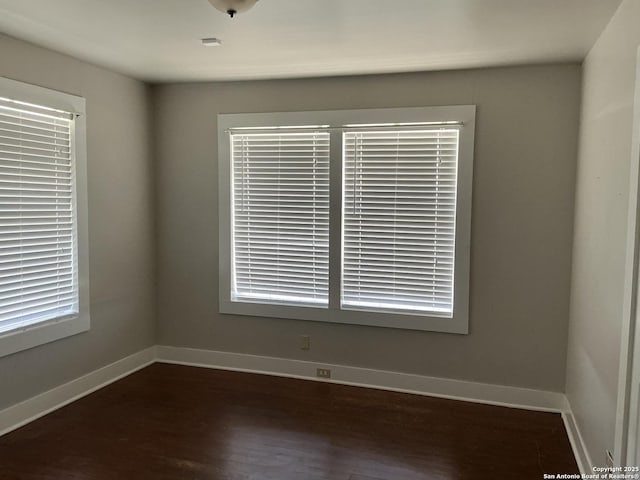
(319, 239)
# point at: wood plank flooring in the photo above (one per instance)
(170, 422)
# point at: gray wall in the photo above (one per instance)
(601, 228)
(121, 222)
(526, 140)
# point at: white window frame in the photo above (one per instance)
(336, 121)
(25, 337)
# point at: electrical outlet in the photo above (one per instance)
(305, 342)
(609, 459)
(323, 373)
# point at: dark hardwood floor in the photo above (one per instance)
(175, 422)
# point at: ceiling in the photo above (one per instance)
(159, 40)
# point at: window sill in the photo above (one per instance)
(40, 333)
(457, 324)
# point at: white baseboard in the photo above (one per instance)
(577, 443)
(363, 377)
(24, 412)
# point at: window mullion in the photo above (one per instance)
(335, 218)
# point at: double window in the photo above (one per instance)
(348, 216)
(43, 278)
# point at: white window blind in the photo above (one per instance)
(38, 279)
(280, 217)
(399, 217)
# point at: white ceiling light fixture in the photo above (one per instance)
(233, 7)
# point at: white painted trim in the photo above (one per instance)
(499, 395)
(38, 334)
(35, 94)
(338, 119)
(577, 443)
(626, 429)
(25, 412)
(35, 334)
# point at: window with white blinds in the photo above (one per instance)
(399, 219)
(38, 278)
(44, 255)
(281, 217)
(348, 216)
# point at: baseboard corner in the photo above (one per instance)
(20, 414)
(580, 451)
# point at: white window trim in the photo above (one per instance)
(337, 119)
(40, 333)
